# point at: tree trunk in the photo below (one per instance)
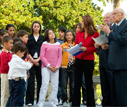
(116, 3)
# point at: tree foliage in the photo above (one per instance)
(51, 13)
(116, 3)
(21, 13)
(66, 12)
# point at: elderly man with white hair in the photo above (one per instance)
(117, 56)
(106, 75)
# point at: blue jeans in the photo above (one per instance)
(67, 73)
(26, 83)
(59, 94)
(17, 89)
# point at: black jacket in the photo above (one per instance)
(117, 57)
(103, 54)
(34, 46)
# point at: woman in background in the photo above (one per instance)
(35, 40)
(11, 30)
(78, 28)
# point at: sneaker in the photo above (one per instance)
(65, 104)
(29, 104)
(53, 105)
(70, 104)
(84, 102)
(60, 102)
(40, 105)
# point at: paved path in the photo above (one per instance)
(47, 104)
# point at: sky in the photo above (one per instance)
(109, 6)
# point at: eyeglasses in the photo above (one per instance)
(115, 13)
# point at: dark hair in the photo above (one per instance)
(88, 25)
(19, 47)
(9, 25)
(21, 33)
(62, 28)
(79, 24)
(6, 39)
(2, 32)
(46, 35)
(32, 27)
(17, 40)
(72, 34)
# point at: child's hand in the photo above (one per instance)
(54, 69)
(28, 77)
(32, 64)
(51, 68)
(29, 61)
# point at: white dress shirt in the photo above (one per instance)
(18, 67)
(120, 22)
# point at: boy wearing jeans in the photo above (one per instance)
(17, 75)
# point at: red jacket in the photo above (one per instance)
(88, 43)
(5, 57)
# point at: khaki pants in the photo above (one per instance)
(4, 89)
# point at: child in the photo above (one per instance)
(10, 28)
(5, 57)
(17, 74)
(17, 40)
(61, 33)
(78, 27)
(51, 57)
(34, 43)
(3, 33)
(67, 67)
(23, 35)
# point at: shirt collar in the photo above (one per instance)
(112, 24)
(14, 55)
(120, 22)
(5, 50)
(67, 43)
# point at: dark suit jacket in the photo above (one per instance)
(117, 57)
(103, 54)
(34, 46)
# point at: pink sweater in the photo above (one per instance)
(51, 54)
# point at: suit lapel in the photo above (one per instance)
(121, 26)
